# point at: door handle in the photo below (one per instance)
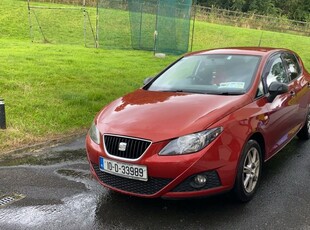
(292, 93)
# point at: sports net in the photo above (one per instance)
(61, 25)
(159, 25)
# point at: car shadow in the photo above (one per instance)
(117, 211)
(279, 162)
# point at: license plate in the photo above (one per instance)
(136, 172)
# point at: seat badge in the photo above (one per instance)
(122, 146)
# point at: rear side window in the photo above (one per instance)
(292, 65)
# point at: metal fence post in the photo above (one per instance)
(2, 114)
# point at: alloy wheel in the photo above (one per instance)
(251, 170)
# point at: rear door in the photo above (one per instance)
(299, 83)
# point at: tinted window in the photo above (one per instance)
(292, 65)
(212, 74)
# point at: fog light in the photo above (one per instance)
(199, 181)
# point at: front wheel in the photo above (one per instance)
(249, 171)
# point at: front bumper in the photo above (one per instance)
(169, 176)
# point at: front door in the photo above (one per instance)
(282, 117)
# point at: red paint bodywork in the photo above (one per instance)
(162, 116)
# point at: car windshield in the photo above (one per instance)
(224, 74)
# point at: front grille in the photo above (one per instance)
(152, 186)
(213, 181)
(134, 147)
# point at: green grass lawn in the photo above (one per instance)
(212, 35)
(55, 89)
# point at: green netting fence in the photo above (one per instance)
(162, 26)
(113, 25)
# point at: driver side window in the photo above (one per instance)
(277, 72)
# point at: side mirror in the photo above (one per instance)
(147, 80)
(276, 88)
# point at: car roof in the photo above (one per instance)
(258, 51)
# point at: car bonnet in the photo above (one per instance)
(158, 116)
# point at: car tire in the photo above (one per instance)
(304, 133)
(249, 172)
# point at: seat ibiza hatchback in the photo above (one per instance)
(202, 126)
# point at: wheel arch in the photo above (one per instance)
(261, 141)
(259, 138)
(239, 190)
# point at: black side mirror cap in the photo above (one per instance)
(276, 88)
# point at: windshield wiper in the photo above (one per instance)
(183, 91)
(230, 93)
(173, 90)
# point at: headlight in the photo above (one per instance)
(191, 143)
(94, 134)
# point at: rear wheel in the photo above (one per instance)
(249, 172)
(304, 133)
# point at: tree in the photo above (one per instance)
(265, 7)
(238, 5)
(292, 9)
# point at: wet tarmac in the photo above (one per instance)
(52, 189)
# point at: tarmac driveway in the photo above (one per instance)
(52, 188)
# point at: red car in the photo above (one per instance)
(204, 125)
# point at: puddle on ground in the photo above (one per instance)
(46, 158)
(81, 176)
(75, 212)
(78, 210)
